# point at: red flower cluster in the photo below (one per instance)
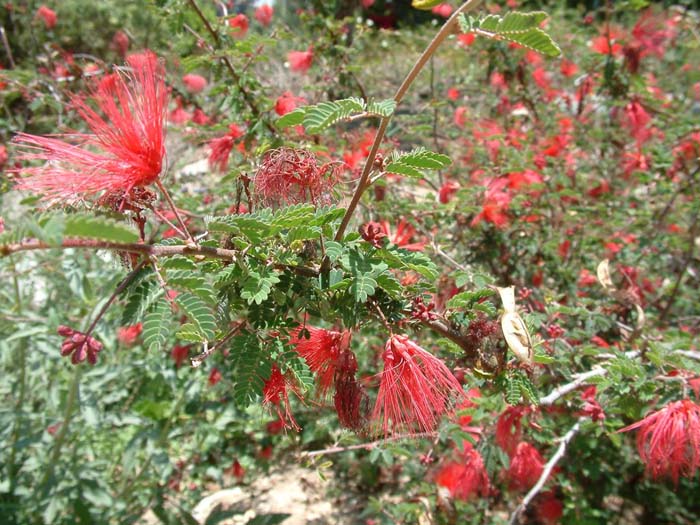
(80, 345)
(322, 351)
(292, 176)
(275, 392)
(126, 147)
(669, 440)
(526, 467)
(221, 148)
(415, 387)
(466, 477)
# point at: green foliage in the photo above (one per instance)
(157, 326)
(411, 164)
(521, 28)
(321, 116)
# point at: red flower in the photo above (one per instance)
(127, 335)
(179, 354)
(403, 236)
(263, 14)
(526, 467)
(292, 176)
(214, 377)
(669, 440)
(287, 103)
(301, 61)
(509, 428)
(466, 39)
(194, 83)
(415, 387)
(129, 141)
(350, 399)
(549, 509)
(275, 393)
(80, 345)
(447, 191)
(48, 15)
(120, 43)
(443, 10)
(373, 233)
(321, 350)
(460, 116)
(567, 68)
(602, 45)
(236, 470)
(466, 477)
(239, 24)
(591, 407)
(221, 148)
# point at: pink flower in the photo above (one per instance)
(120, 43)
(460, 116)
(367, 3)
(194, 83)
(239, 25)
(321, 350)
(275, 393)
(124, 151)
(300, 61)
(221, 148)
(466, 477)
(526, 467)
(669, 440)
(443, 10)
(214, 377)
(287, 103)
(79, 346)
(263, 14)
(415, 387)
(509, 428)
(48, 15)
(127, 335)
(447, 191)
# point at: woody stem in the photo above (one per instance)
(364, 183)
(175, 211)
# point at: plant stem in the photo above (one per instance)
(63, 431)
(175, 211)
(363, 183)
(19, 407)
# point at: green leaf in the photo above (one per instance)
(250, 369)
(139, 301)
(363, 286)
(156, 326)
(411, 164)
(258, 284)
(193, 282)
(325, 114)
(382, 108)
(199, 313)
(521, 28)
(293, 118)
(102, 228)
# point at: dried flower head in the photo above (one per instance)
(291, 176)
(415, 387)
(125, 149)
(350, 399)
(669, 440)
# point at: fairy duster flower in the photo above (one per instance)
(322, 350)
(415, 387)
(125, 149)
(526, 467)
(275, 392)
(466, 477)
(669, 440)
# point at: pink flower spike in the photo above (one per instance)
(669, 440)
(415, 387)
(125, 149)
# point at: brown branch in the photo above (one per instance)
(364, 183)
(197, 360)
(366, 446)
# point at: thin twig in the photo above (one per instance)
(366, 446)
(7, 47)
(363, 184)
(197, 360)
(166, 194)
(546, 472)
